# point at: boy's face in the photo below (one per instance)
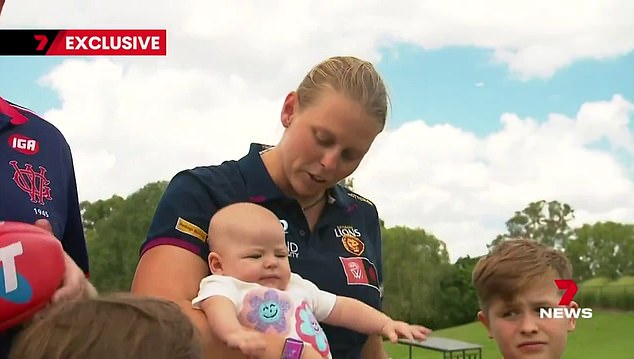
(259, 255)
(519, 331)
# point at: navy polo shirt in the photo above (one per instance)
(341, 255)
(37, 180)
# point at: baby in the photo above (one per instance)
(252, 290)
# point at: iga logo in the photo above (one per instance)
(23, 144)
(566, 312)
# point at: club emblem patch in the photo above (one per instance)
(353, 244)
(35, 184)
(351, 239)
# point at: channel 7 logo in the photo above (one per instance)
(565, 311)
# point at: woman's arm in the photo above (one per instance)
(174, 273)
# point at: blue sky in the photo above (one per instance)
(462, 86)
(22, 73)
(440, 87)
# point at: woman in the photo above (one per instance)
(333, 234)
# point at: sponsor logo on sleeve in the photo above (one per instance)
(191, 229)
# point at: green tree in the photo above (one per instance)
(92, 213)
(603, 249)
(115, 230)
(544, 222)
(413, 261)
(456, 296)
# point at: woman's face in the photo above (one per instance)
(323, 143)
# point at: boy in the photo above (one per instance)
(115, 326)
(252, 286)
(512, 283)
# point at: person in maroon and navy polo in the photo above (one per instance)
(37, 185)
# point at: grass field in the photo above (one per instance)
(606, 335)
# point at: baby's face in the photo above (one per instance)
(261, 258)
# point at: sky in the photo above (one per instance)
(494, 103)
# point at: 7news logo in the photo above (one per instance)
(566, 311)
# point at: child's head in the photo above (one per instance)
(247, 242)
(116, 326)
(512, 283)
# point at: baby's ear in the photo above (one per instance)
(215, 263)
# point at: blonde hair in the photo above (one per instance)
(351, 76)
(514, 265)
(115, 326)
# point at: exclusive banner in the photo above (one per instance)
(83, 42)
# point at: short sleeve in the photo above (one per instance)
(321, 301)
(182, 216)
(217, 285)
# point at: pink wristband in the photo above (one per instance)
(292, 349)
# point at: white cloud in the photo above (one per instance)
(257, 39)
(462, 188)
(135, 120)
(152, 124)
(456, 185)
(607, 119)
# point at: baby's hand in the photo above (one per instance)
(250, 343)
(394, 329)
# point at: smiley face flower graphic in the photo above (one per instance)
(267, 311)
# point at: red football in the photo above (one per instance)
(32, 268)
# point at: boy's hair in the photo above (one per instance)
(118, 326)
(514, 265)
